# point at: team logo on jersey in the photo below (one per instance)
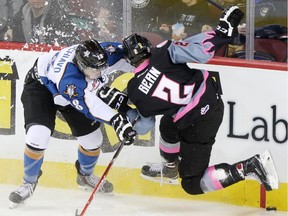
(139, 3)
(205, 109)
(70, 91)
(111, 49)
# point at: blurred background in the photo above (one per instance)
(262, 33)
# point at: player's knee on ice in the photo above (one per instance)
(194, 161)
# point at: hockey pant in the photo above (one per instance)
(192, 146)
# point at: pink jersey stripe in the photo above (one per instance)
(207, 44)
(141, 66)
(216, 183)
(175, 149)
(194, 100)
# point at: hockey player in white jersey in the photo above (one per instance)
(191, 110)
(67, 81)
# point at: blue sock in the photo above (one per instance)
(33, 160)
(87, 160)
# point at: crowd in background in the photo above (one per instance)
(67, 22)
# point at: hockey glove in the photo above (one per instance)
(114, 98)
(229, 21)
(123, 129)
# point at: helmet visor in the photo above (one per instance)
(92, 73)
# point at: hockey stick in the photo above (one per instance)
(100, 180)
(220, 7)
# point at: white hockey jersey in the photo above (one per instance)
(68, 84)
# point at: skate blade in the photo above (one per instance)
(13, 205)
(270, 169)
(162, 180)
(90, 189)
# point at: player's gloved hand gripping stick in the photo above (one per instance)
(123, 129)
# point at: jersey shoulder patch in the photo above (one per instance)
(113, 50)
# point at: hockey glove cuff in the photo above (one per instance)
(114, 98)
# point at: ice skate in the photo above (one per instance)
(261, 168)
(18, 197)
(166, 173)
(89, 182)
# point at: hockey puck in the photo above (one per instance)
(271, 208)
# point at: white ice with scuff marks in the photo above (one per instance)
(59, 202)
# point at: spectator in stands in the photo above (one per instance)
(267, 12)
(8, 8)
(270, 31)
(195, 15)
(110, 20)
(270, 12)
(83, 14)
(270, 19)
(147, 14)
(42, 22)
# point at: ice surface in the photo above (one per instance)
(58, 202)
